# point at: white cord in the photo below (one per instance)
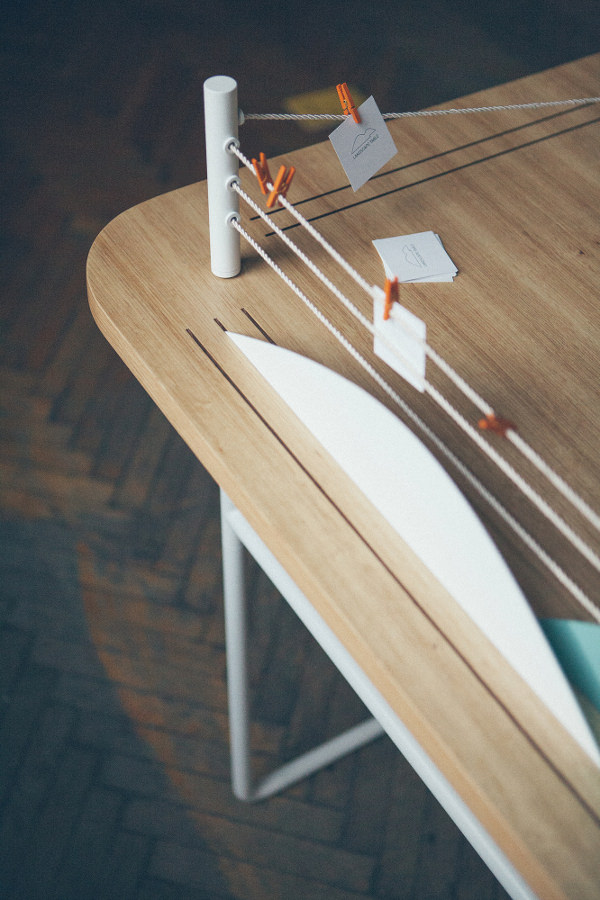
(559, 573)
(532, 495)
(543, 104)
(311, 230)
(345, 301)
(555, 479)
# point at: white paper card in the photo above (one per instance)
(363, 148)
(416, 257)
(400, 341)
(404, 481)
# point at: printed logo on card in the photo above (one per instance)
(362, 141)
(363, 148)
(413, 257)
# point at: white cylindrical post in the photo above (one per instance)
(221, 127)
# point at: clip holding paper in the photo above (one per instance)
(261, 167)
(348, 107)
(401, 342)
(281, 185)
(392, 294)
(496, 424)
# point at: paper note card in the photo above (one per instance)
(400, 341)
(363, 148)
(416, 257)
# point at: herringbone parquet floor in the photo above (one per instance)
(113, 720)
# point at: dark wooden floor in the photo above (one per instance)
(113, 720)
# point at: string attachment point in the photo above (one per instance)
(392, 294)
(348, 107)
(496, 424)
(281, 185)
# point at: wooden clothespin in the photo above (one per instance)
(261, 167)
(281, 185)
(348, 107)
(392, 293)
(497, 424)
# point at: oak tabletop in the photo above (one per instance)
(515, 197)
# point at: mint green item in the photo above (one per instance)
(577, 648)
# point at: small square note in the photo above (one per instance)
(363, 148)
(416, 257)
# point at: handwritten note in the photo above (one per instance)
(363, 148)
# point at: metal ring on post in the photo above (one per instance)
(221, 127)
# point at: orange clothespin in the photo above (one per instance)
(261, 167)
(348, 107)
(281, 185)
(497, 424)
(392, 293)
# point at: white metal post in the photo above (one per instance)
(221, 127)
(235, 535)
(237, 666)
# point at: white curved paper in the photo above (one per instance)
(410, 488)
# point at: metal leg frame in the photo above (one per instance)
(236, 534)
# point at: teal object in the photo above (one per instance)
(577, 648)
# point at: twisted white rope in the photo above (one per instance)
(345, 301)
(574, 589)
(541, 104)
(532, 495)
(450, 373)
(553, 477)
(358, 278)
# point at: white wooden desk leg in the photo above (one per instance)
(238, 687)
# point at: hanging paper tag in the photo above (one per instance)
(400, 341)
(363, 149)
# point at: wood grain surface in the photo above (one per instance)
(514, 197)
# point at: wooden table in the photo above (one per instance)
(515, 198)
